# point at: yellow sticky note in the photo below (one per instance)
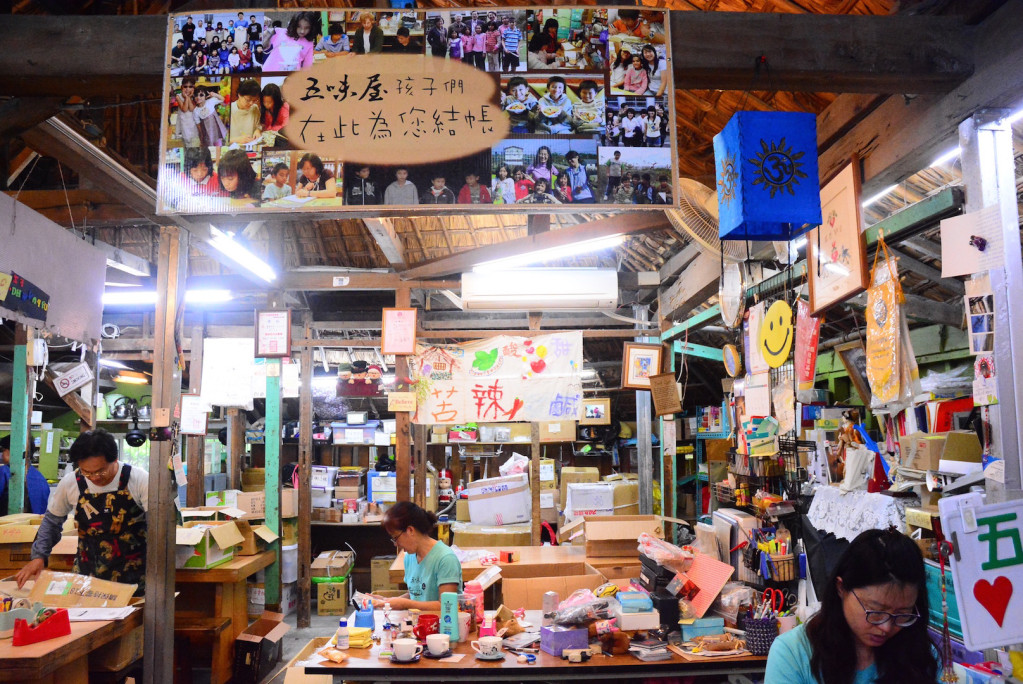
(5, 285)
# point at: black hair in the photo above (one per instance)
(250, 88)
(874, 557)
(650, 109)
(550, 156)
(646, 177)
(403, 32)
(572, 154)
(406, 514)
(5, 443)
(556, 79)
(194, 156)
(188, 80)
(628, 14)
(236, 162)
(624, 50)
(588, 84)
(401, 167)
(662, 178)
(491, 25)
(537, 182)
(313, 159)
(516, 81)
(335, 29)
(278, 167)
(618, 153)
(273, 91)
(91, 443)
(541, 38)
(314, 24)
(629, 110)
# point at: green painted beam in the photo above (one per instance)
(19, 430)
(700, 350)
(272, 442)
(691, 322)
(927, 211)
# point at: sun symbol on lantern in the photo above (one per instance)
(729, 175)
(776, 167)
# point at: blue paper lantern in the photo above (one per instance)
(767, 178)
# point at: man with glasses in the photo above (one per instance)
(109, 500)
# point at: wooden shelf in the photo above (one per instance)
(328, 523)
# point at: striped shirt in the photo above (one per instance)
(511, 39)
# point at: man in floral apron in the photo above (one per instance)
(109, 500)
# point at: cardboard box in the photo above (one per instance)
(570, 474)
(470, 534)
(289, 532)
(626, 497)
(332, 598)
(920, 516)
(379, 573)
(500, 500)
(617, 535)
(68, 590)
(343, 493)
(257, 598)
(962, 453)
(589, 498)
(258, 648)
(572, 533)
(118, 654)
(523, 586)
(332, 564)
(462, 510)
(549, 505)
(206, 544)
(921, 451)
(256, 537)
(559, 431)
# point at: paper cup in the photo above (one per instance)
(787, 622)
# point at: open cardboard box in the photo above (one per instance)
(618, 535)
(204, 544)
(259, 647)
(255, 538)
(524, 586)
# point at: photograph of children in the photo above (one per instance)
(493, 41)
(192, 183)
(365, 33)
(554, 104)
(274, 112)
(635, 25)
(567, 39)
(246, 113)
(335, 41)
(278, 177)
(982, 323)
(361, 189)
(564, 169)
(459, 181)
(635, 176)
(199, 111)
(289, 43)
(636, 122)
(316, 180)
(218, 43)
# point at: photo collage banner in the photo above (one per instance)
(351, 110)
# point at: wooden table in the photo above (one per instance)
(538, 556)
(220, 592)
(364, 664)
(64, 660)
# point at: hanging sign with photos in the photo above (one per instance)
(284, 111)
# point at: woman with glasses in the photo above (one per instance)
(431, 568)
(872, 626)
(109, 500)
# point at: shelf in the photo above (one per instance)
(327, 523)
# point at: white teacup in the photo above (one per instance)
(438, 643)
(488, 646)
(406, 649)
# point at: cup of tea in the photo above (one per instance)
(406, 649)
(438, 644)
(428, 624)
(488, 646)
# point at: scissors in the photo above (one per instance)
(775, 599)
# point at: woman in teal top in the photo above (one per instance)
(872, 626)
(431, 568)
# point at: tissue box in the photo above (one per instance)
(555, 639)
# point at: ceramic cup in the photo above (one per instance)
(463, 625)
(428, 624)
(787, 622)
(488, 646)
(438, 643)
(406, 649)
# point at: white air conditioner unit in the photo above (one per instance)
(541, 289)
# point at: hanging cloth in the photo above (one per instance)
(884, 314)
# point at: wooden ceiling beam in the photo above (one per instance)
(322, 280)
(863, 54)
(92, 206)
(21, 113)
(624, 223)
(388, 240)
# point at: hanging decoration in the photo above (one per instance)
(884, 309)
(775, 340)
(767, 176)
(808, 330)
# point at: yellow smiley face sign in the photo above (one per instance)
(776, 334)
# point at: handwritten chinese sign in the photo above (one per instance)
(501, 379)
(399, 331)
(987, 567)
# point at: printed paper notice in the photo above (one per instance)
(972, 243)
(193, 414)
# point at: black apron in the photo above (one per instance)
(111, 534)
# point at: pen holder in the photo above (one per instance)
(760, 634)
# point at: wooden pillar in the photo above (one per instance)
(419, 435)
(235, 445)
(21, 422)
(161, 515)
(402, 420)
(305, 498)
(195, 445)
(534, 480)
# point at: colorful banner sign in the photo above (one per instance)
(501, 379)
(285, 111)
(808, 330)
(22, 296)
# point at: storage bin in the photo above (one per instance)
(289, 564)
(782, 568)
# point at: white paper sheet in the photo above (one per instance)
(960, 254)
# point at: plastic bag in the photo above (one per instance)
(729, 602)
(514, 465)
(706, 541)
(582, 608)
(665, 553)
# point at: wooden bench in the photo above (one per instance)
(187, 631)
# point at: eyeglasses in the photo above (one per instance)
(395, 538)
(87, 474)
(879, 617)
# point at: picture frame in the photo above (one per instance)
(854, 357)
(273, 333)
(596, 411)
(398, 334)
(665, 395)
(639, 362)
(836, 253)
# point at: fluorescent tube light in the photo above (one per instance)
(880, 195)
(112, 263)
(132, 378)
(948, 157)
(1014, 117)
(226, 245)
(110, 363)
(551, 253)
(149, 297)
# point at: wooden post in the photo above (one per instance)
(235, 445)
(305, 499)
(272, 440)
(195, 445)
(419, 463)
(21, 422)
(402, 420)
(534, 480)
(161, 515)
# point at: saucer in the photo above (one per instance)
(445, 654)
(404, 662)
(494, 658)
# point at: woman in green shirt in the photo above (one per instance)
(431, 568)
(872, 626)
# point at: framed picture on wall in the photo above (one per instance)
(639, 363)
(836, 254)
(596, 411)
(273, 333)
(854, 358)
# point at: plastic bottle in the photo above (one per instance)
(550, 607)
(444, 530)
(342, 634)
(474, 590)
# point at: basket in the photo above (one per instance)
(782, 568)
(760, 634)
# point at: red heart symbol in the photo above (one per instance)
(994, 597)
(538, 366)
(529, 343)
